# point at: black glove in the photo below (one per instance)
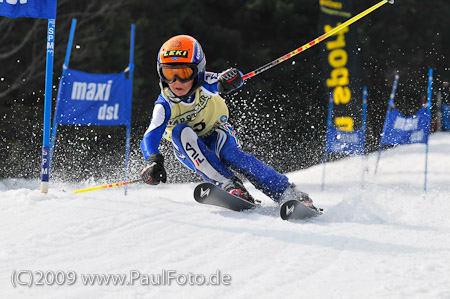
(154, 173)
(229, 80)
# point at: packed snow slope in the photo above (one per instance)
(386, 240)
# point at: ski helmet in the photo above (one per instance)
(181, 58)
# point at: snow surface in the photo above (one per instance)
(386, 240)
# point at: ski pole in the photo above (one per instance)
(316, 41)
(109, 185)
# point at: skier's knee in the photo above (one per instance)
(176, 131)
(182, 130)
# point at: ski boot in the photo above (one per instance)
(292, 193)
(235, 187)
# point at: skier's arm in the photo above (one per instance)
(154, 172)
(155, 131)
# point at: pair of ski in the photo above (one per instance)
(207, 193)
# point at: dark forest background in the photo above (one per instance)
(280, 115)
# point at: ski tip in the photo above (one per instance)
(295, 210)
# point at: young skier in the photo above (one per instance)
(190, 113)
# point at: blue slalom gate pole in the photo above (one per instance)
(69, 46)
(130, 69)
(127, 155)
(325, 155)
(390, 105)
(65, 67)
(45, 173)
(430, 87)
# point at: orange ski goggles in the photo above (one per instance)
(182, 72)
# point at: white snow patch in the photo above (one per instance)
(386, 240)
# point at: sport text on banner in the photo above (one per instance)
(341, 64)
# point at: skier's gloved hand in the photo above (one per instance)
(229, 80)
(154, 173)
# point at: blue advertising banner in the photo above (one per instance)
(345, 142)
(400, 129)
(93, 99)
(45, 9)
